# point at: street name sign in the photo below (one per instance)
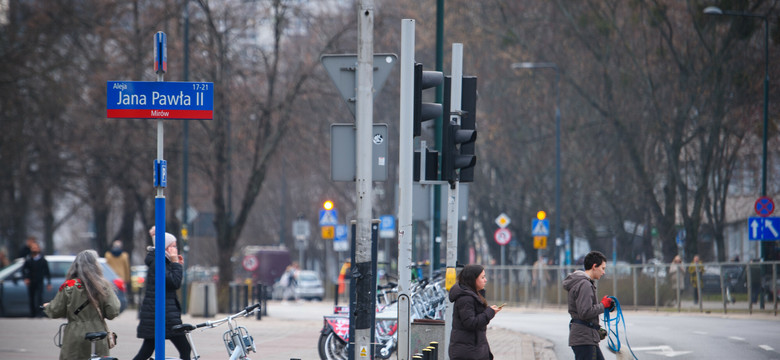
(764, 228)
(160, 100)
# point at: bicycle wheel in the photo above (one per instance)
(332, 348)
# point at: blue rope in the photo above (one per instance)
(615, 347)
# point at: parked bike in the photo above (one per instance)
(427, 302)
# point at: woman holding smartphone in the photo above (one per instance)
(470, 316)
(173, 281)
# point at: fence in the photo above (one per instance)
(739, 287)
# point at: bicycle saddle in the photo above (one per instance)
(98, 335)
(183, 327)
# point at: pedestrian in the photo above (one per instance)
(695, 270)
(289, 280)
(675, 274)
(119, 261)
(173, 281)
(34, 270)
(470, 316)
(85, 299)
(585, 308)
(25, 249)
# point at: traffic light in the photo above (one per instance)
(327, 205)
(454, 137)
(469, 122)
(425, 111)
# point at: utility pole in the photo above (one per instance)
(364, 311)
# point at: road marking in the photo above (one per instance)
(663, 350)
(766, 347)
(736, 338)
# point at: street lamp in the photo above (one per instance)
(714, 10)
(549, 65)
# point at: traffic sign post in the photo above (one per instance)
(502, 236)
(764, 228)
(764, 206)
(503, 220)
(160, 100)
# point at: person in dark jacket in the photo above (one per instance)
(173, 281)
(585, 308)
(34, 270)
(470, 316)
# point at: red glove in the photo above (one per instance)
(608, 303)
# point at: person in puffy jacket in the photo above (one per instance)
(85, 298)
(470, 316)
(173, 281)
(585, 308)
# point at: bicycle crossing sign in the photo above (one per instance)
(540, 227)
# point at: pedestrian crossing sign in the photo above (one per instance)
(540, 227)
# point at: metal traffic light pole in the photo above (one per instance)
(452, 192)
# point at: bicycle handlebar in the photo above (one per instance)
(247, 310)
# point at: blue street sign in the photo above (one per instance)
(160, 100)
(340, 239)
(540, 227)
(329, 217)
(764, 228)
(387, 226)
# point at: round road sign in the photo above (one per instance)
(250, 263)
(764, 206)
(502, 236)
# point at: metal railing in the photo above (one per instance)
(728, 286)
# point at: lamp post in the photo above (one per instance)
(714, 10)
(549, 65)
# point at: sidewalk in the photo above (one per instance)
(289, 331)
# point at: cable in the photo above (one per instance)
(618, 318)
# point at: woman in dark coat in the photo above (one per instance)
(173, 280)
(470, 316)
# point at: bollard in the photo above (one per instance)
(426, 354)
(434, 345)
(206, 301)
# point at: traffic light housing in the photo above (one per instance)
(469, 122)
(458, 139)
(425, 111)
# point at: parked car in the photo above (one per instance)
(308, 286)
(13, 291)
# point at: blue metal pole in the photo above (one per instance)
(160, 182)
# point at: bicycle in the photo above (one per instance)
(92, 337)
(237, 340)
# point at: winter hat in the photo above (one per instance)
(169, 239)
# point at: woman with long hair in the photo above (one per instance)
(470, 316)
(84, 299)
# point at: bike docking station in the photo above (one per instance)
(160, 100)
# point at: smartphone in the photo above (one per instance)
(501, 306)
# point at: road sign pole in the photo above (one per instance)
(161, 65)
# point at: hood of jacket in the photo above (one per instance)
(574, 278)
(458, 291)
